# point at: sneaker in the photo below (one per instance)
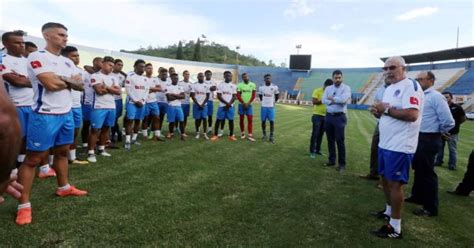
(250, 138)
(78, 162)
(340, 169)
(72, 191)
(159, 138)
(197, 136)
(92, 158)
(387, 232)
(423, 213)
(214, 138)
(23, 216)
(105, 154)
(272, 140)
(150, 136)
(312, 155)
(169, 135)
(232, 138)
(242, 136)
(220, 133)
(209, 130)
(50, 173)
(380, 215)
(185, 135)
(127, 146)
(136, 143)
(206, 137)
(264, 138)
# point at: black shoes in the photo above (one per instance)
(387, 232)
(455, 192)
(380, 215)
(423, 213)
(329, 164)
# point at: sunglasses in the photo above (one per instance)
(392, 67)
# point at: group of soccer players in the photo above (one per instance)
(54, 98)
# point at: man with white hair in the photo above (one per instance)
(400, 119)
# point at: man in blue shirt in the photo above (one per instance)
(435, 123)
(336, 98)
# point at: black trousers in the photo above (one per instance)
(374, 150)
(467, 184)
(316, 134)
(334, 127)
(425, 185)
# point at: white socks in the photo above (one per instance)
(51, 159)
(65, 187)
(396, 224)
(24, 205)
(101, 148)
(388, 210)
(127, 139)
(91, 152)
(157, 133)
(44, 168)
(72, 154)
(145, 133)
(20, 158)
(134, 136)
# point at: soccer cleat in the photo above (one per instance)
(250, 138)
(214, 138)
(23, 216)
(206, 137)
(127, 146)
(150, 136)
(242, 136)
(79, 162)
(264, 138)
(209, 131)
(105, 154)
(50, 173)
(232, 138)
(197, 136)
(380, 215)
(169, 135)
(159, 138)
(272, 140)
(387, 232)
(92, 158)
(72, 191)
(220, 133)
(312, 155)
(135, 142)
(423, 213)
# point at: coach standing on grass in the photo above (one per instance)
(399, 124)
(336, 98)
(319, 113)
(436, 122)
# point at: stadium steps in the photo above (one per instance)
(453, 79)
(368, 83)
(468, 106)
(298, 84)
(374, 85)
(464, 85)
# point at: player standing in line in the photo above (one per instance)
(103, 113)
(185, 103)
(246, 92)
(87, 99)
(226, 93)
(268, 95)
(29, 48)
(137, 88)
(51, 123)
(174, 94)
(200, 94)
(152, 110)
(210, 102)
(161, 96)
(71, 53)
(116, 134)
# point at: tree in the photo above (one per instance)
(197, 51)
(179, 52)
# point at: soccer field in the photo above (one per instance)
(200, 193)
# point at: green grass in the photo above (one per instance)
(198, 193)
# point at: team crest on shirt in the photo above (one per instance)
(36, 64)
(397, 92)
(414, 100)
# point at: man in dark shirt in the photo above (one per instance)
(453, 138)
(465, 187)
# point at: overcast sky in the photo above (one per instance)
(345, 33)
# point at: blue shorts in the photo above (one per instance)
(223, 114)
(186, 108)
(199, 113)
(24, 114)
(394, 166)
(77, 116)
(118, 108)
(175, 114)
(102, 117)
(86, 112)
(163, 107)
(267, 113)
(248, 111)
(152, 108)
(210, 107)
(46, 131)
(134, 112)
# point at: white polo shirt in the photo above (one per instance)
(88, 95)
(211, 83)
(187, 87)
(397, 135)
(106, 101)
(226, 90)
(137, 87)
(153, 82)
(77, 95)
(268, 95)
(121, 82)
(49, 102)
(200, 90)
(21, 96)
(161, 96)
(174, 89)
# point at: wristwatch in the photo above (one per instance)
(386, 112)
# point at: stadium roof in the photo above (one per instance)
(450, 54)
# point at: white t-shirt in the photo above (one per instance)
(77, 95)
(153, 82)
(137, 87)
(268, 95)
(397, 135)
(121, 82)
(161, 96)
(211, 83)
(174, 89)
(226, 90)
(88, 95)
(106, 101)
(47, 102)
(21, 96)
(200, 90)
(187, 87)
